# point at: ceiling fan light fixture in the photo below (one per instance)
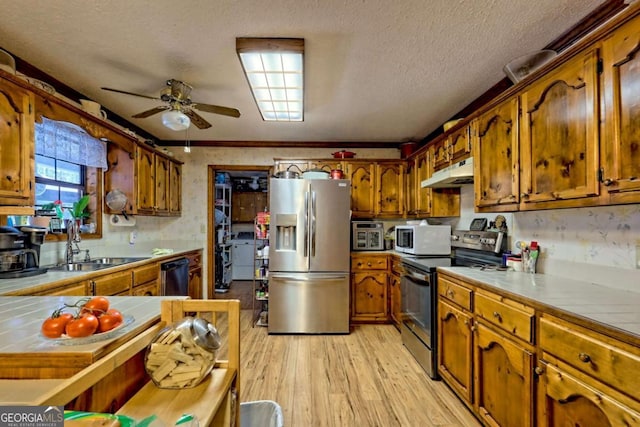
(274, 68)
(175, 120)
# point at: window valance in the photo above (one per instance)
(69, 142)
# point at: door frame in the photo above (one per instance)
(211, 234)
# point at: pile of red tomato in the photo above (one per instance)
(82, 319)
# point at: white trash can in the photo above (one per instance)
(261, 413)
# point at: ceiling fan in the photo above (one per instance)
(179, 107)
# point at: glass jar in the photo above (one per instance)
(183, 354)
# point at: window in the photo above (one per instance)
(68, 165)
(58, 180)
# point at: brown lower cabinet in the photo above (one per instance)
(514, 365)
(369, 288)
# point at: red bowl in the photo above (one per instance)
(343, 154)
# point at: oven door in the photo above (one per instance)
(419, 317)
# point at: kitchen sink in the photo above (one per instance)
(80, 266)
(116, 260)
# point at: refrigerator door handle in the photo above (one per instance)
(306, 224)
(313, 223)
(308, 279)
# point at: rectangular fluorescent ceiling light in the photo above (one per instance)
(274, 69)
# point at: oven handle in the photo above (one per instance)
(417, 278)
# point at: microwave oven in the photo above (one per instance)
(423, 239)
(367, 236)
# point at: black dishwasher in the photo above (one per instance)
(175, 277)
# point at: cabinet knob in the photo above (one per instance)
(497, 316)
(608, 182)
(450, 293)
(524, 195)
(538, 370)
(368, 264)
(584, 357)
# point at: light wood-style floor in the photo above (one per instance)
(366, 378)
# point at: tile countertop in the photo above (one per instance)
(13, 286)
(617, 311)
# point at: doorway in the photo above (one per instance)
(235, 194)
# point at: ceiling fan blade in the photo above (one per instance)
(197, 120)
(129, 93)
(150, 112)
(216, 109)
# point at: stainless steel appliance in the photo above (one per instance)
(309, 256)
(423, 239)
(20, 251)
(367, 236)
(175, 277)
(419, 289)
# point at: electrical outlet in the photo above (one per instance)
(132, 237)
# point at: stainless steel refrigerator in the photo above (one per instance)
(309, 256)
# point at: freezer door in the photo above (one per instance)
(309, 303)
(329, 225)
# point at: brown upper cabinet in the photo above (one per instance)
(151, 181)
(459, 144)
(496, 161)
(389, 189)
(559, 152)
(16, 145)
(621, 91)
(246, 205)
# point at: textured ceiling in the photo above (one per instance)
(376, 70)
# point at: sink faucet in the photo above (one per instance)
(73, 238)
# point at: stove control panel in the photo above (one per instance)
(490, 241)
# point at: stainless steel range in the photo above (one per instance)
(419, 289)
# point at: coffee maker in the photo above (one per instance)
(33, 239)
(20, 251)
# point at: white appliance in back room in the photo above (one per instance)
(242, 256)
(310, 256)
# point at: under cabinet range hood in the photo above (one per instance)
(451, 176)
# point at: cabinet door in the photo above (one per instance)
(502, 369)
(411, 187)
(150, 289)
(621, 155)
(175, 188)
(195, 283)
(369, 296)
(424, 170)
(455, 360)
(162, 185)
(389, 189)
(495, 152)
(16, 145)
(440, 158)
(243, 207)
(395, 299)
(361, 175)
(146, 180)
(121, 174)
(559, 152)
(460, 144)
(566, 401)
